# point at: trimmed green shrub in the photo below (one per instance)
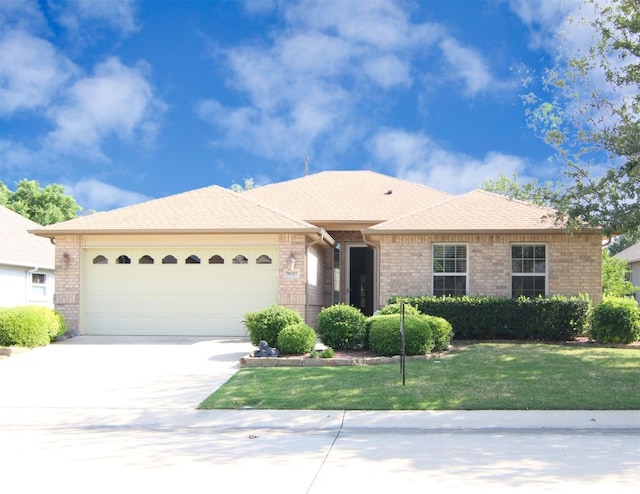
(616, 320)
(62, 323)
(384, 335)
(56, 324)
(441, 329)
(342, 327)
(486, 318)
(23, 326)
(327, 353)
(266, 324)
(441, 332)
(296, 339)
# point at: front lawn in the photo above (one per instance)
(499, 376)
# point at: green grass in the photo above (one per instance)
(484, 376)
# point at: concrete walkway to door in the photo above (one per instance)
(110, 415)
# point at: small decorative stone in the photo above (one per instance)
(264, 350)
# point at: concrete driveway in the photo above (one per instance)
(118, 414)
(122, 372)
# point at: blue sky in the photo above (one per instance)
(122, 101)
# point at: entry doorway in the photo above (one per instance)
(361, 278)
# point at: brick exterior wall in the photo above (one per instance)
(66, 298)
(403, 264)
(573, 263)
(291, 291)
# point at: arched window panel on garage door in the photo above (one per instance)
(123, 259)
(240, 259)
(263, 259)
(169, 260)
(146, 259)
(216, 259)
(100, 259)
(192, 259)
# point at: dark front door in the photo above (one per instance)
(361, 279)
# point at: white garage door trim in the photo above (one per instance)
(208, 298)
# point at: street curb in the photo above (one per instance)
(318, 421)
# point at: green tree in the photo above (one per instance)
(249, 184)
(4, 194)
(623, 241)
(528, 191)
(615, 276)
(592, 119)
(43, 205)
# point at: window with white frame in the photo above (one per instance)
(38, 286)
(528, 270)
(450, 269)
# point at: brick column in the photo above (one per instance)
(66, 298)
(292, 287)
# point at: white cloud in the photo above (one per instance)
(92, 194)
(313, 79)
(416, 157)
(117, 100)
(39, 81)
(388, 71)
(326, 69)
(562, 27)
(259, 6)
(314, 53)
(293, 96)
(75, 15)
(375, 23)
(15, 156)
(32, 72)
(264, 134)
(21, 14)
(468, 65)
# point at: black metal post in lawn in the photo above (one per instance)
(402, 343)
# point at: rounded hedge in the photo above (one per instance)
(384, 335)
(266, 324)
(616, 320)
(296, 339)
(441, 331)
(342, 327)
(56, 324)
(23, 326)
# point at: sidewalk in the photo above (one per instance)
(329, 420)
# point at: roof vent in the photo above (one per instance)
(388, 193)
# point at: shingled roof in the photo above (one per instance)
(475, 211)
(360, 196)
(18, 247)
(207, 210)
(630, 254)
(363, 200)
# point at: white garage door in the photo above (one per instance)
(192, 292)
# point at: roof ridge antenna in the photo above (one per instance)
(306, 166)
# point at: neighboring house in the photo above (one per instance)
(195, 263)
(632, 256)
(26, 263)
